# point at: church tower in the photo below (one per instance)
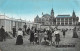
(74, 18)
(52, 12)
(52, 17)
(73, 14)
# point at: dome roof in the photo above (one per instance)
(46, 15)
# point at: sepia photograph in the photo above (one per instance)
(39, 25)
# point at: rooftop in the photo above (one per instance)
(63, 16)
(37, 16)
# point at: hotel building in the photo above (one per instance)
(59, 20)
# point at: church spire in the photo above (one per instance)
(52, 12)
(73, 14)
(42, 13)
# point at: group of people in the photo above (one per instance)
(37, 36)
(49, 36)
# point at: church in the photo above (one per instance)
(59, 20)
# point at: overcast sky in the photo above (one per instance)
(28, 9)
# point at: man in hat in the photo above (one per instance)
(25, 26)
(2, 31)
(64, 32)
(14, 31)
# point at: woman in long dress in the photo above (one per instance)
(41, 36)
(57, 36)
(31, 36)
(75, 33)
(45, 36)
(19, 40)
(36, 38)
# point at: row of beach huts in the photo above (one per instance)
(9, 23)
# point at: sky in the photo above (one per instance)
(29, 9)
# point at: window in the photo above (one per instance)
(58, 19)
(62, 23)
(58, 23)
(62, 19)
(70, 19)
(70, 23)
(66, 19)
(66, 23)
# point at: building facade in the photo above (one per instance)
(59, 20)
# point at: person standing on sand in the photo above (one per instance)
(57, 36)
(31, 36)
(2, 32)
(64, 32)
(14, 31)
(19, 40)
